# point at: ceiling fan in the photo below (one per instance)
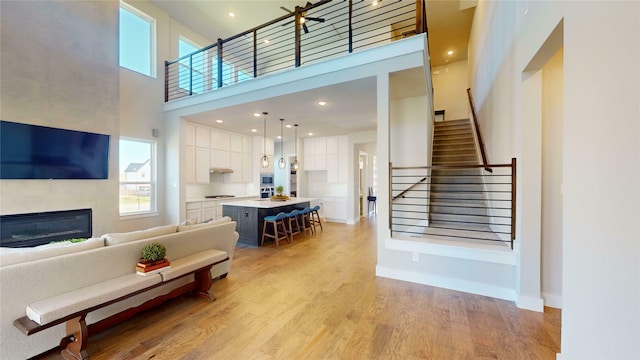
(304, 17)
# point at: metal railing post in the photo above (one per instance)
(513, 201)
(255, 53)
(219, 63)
(297, 37)
(350, 26)
(390, 198)
(166, 81)
(190, 75)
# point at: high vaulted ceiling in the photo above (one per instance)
(449, 23)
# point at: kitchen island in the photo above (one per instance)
(249, 215)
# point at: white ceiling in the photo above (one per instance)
(351, 106)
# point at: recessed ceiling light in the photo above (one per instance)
(450, 52)
(232, 14)
(219, 121)
(256, 114)
(374, 3)
(254, 130)
(288, 126)
(322, 103)
(310, 134)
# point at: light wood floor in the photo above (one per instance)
(318, 298)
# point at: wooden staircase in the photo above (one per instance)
(457, 201)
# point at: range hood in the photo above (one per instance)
(217, 170)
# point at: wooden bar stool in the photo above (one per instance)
(306, 221)
(292, 218)
(315, 218)
(278, 223)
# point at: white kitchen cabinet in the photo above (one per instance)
(200, 211)
(194, 212)
(220, 158)
(190, 162)
(337, 155)
(320, 146)
(208, 210)
(335, 208)
(220, 140)
(332, 168)
(236, 143)
(203, 136)
(247, 168)
(202, 165)
(315, 154)
(236, 166)
(190, 135)
(247, 145)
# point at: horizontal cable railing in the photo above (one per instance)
(457, 202)
(290, 41)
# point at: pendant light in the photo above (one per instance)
(295, 149)
(264, 160)
(282, 163)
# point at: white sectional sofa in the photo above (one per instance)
(53, 279)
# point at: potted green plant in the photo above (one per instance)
(279, 190)
(152, 258)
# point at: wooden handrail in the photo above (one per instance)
(475, 123)
(409, 188)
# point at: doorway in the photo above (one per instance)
(542, 99)
(362, 179)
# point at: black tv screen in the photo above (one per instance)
(40, 152)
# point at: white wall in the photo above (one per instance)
(60, 72)
(450, 83)
(141, 101)
(600, 251)
(551, 234)
(409, 129)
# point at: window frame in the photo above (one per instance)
(153, 57)
(153, 183)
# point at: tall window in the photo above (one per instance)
(191, 70)
(137, 177)
(137, 40)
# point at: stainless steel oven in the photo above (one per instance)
(266, 191)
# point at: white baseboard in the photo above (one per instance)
(530, 303)
(552, 300)
(447, 283)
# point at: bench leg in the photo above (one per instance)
(77, 336)
(203, 279)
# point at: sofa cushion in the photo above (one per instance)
(193, 262)
(59, 306)
(119, 238)
(10, 256)
(222, 220)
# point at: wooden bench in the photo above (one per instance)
(74, 344)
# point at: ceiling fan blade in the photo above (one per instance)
(304, 27)
(315, 19)
(285, 9)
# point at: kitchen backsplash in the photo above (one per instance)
(196, 191)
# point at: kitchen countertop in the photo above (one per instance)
(239, 198)
(268, 204)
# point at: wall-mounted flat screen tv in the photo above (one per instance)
(40, 152)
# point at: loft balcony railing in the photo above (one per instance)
(455, 202)
(294, 40)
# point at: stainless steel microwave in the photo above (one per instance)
(266, 179)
